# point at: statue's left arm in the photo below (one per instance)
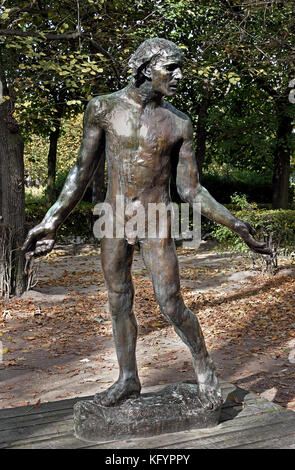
(191, 191)
(40, 239)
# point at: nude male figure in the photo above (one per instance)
(141, 133)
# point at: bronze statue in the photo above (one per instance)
(141, 133)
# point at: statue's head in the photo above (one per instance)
(158, 61)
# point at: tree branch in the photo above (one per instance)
(67, 36)
(108, 55)
(48, 36)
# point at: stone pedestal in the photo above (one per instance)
(172, 409)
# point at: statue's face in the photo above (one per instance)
(165, 73)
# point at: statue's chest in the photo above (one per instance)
(152, 131)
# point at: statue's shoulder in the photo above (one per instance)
(178, 114)
(104, 103)
(184, 121)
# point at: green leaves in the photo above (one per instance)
(50, 71)
(69, 103)
(233, 78)
(236, 53)
(277, 224)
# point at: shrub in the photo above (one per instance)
(277, 225)
(60, 181)
(222, 187)
(256, 187)
(78, 224)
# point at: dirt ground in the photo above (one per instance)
(56, 339)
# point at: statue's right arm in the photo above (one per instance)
(190, 190)
(41, 239)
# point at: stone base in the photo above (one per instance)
(172, 409)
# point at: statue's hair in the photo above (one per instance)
(149, 49)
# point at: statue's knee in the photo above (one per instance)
(174, 311)
(120, 297)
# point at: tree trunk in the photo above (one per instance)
(98, 188)
(51, 162)
(281, 171)
(1, 164)
(201, 134)
(12, 228)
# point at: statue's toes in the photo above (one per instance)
(211, 399)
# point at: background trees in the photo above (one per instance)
(241, 60)
(54, 56)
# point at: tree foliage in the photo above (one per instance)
(239, 62)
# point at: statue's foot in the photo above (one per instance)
(118, 392)
(210, 397)
(209, 388)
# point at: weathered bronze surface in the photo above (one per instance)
(175, 408)
(141, 133)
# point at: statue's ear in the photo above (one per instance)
(146, 71)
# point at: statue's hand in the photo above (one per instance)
(247, 232)
(40, 241)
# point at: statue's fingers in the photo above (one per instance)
(264, 251)
(253, 242)
(33, 236)
(252, 230)
(29, 255)
(260, 247)
(43, 247)
(28, 244)
(30, 247)
(40, 250)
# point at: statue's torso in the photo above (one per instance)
(139, 145)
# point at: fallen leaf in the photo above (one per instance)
(236, 400)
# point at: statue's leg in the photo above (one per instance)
(116, 260)
(161, 261)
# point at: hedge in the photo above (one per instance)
(78, 224)
(257, 188)
(277, 225)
